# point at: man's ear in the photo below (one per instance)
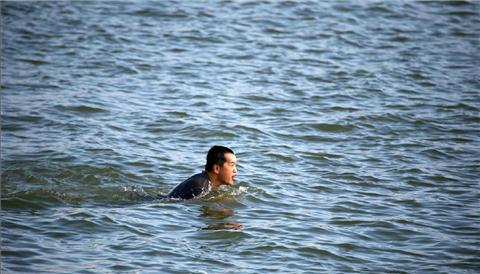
(216, 169)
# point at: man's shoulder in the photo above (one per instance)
(191, 187)
(198, 179)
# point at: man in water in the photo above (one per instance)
(220, 169)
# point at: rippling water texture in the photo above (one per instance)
(356, 126)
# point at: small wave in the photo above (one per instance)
(249, 129)
(272, 30)
(223, 226)
(379, 8)
(35, 62)
(38, 199)
(280, 157)
(19, 203)
(400, 39)
(201, 132)
(240, 190)
(225, 194)
(203, 38)
(322, 189)
(138, 193)
(333, 127)
(237, 56)
(80, 109)
(436, 153)
(22, 118)
(177, 14)
(320, 155)
(315, 251)
(259, 98)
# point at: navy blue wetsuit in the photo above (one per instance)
(194, 186)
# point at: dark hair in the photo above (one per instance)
(216, 156)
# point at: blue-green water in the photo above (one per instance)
(356, 128)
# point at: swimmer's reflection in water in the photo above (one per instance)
(220, 214)
(220, 169)
(217, 213)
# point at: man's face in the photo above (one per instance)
(228, 171)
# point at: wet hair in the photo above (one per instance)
(216, 156)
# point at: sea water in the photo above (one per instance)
(355, 125)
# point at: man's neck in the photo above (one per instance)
(213, 179)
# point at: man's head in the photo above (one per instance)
(222, 163)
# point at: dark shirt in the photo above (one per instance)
(194, 186)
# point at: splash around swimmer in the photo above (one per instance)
(220, 169)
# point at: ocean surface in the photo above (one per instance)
(356, 126)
